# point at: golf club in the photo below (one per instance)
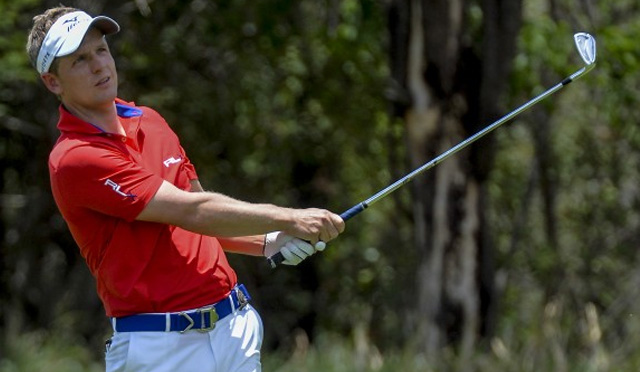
(586, 45)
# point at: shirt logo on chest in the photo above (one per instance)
(116, 188)
(172, 160)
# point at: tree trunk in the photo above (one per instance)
(453, 92)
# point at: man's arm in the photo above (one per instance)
(249, 245)
(196, 186)
(218, 215)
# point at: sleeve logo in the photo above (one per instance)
(116, 188)
(172, 160)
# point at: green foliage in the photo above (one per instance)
(280, 101)
(14, 64)
(546, 349)
(587, 261)
(42, 352)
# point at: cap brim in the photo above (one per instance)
(105, 24)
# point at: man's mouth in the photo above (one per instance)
(103, 81)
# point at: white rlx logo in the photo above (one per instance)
(116, 188)
(171, 160)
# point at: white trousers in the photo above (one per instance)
(232, 346)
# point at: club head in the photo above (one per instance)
(586, 45)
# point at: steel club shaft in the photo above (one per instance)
(586, 46)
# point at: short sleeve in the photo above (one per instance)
(188, 166)
(104, 180)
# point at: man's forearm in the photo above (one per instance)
(249, 245)
(213, 214)
(218, 215)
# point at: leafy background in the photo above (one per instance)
(288, 102)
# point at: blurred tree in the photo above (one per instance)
(575, 239)
(452, 59)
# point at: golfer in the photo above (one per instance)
(153, 239)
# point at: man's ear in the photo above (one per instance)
(52, 83)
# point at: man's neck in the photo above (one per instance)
(106, 118)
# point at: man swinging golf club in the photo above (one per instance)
(152, 238)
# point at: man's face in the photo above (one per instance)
(87, 78)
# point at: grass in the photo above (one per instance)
(541, 348)
(42, 352)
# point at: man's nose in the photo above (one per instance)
(97, 63)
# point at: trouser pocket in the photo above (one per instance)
(117, 352)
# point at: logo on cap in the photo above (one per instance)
(74, 22)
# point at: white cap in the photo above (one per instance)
(66, 35)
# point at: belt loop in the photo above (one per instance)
(167, 322)
(233, 304)
(243, 299)
(113, 324)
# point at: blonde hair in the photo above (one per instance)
(41, 25)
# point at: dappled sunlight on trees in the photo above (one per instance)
(302, 104)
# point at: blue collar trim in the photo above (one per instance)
(128, 111)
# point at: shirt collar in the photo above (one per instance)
(71, 123)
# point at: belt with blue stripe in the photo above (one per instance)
(203, 319)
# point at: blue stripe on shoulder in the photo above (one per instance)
(128, 111)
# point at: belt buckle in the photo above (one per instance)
(213, 318)
(189, 318)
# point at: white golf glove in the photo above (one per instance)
(293, 249)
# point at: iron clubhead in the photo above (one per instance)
(586, 45)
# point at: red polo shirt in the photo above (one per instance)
(101, 182)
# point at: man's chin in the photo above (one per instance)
(106, 98)
(109, 92)
(97, 102)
